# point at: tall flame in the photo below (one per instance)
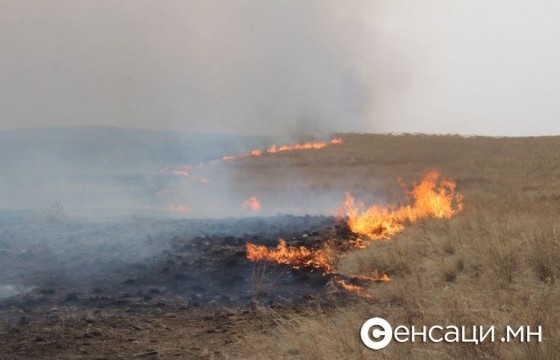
(434, 196)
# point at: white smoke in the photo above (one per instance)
(245, 67)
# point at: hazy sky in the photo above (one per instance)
(253, 66)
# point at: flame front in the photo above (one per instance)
(295, 256)
(276, 149)
(358, 290)
(252, 203)
(434, 196)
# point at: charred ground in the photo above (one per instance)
(73, 284)
(198, 271)
(193, 295)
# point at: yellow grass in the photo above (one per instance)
(496, 263)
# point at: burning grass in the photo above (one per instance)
(491, 258)
(296, 256)
(485, 279)
(434, 197)
(494, 263)
(274, 149)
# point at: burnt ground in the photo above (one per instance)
(107, 290)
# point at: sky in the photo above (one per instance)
(274, 67)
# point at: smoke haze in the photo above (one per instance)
(467, 67)
(244, 67)
(254, 67)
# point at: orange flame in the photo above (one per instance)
(358, 290)
(276, 149)
(323, 259)
(373, 277)
(295, 256)
(252, 203)
(432, 197)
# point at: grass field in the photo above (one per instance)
(495, 263)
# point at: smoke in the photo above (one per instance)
(277, 67)
(241, 67)
(466, 67)
(252, 67)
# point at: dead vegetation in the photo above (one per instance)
(496, 263)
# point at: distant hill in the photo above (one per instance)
(88, 166)
(98, 149)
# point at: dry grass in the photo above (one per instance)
(496, 263)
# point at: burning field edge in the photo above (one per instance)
(475, 244)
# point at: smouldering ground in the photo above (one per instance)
(495, 263)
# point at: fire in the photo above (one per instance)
(252, 204)
(322, 259)
(295, 256)
(434, 196)
(276, 149)
(358, 290)
(373, 277)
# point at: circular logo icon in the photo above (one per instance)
(376, 333)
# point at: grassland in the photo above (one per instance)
(496, 263)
